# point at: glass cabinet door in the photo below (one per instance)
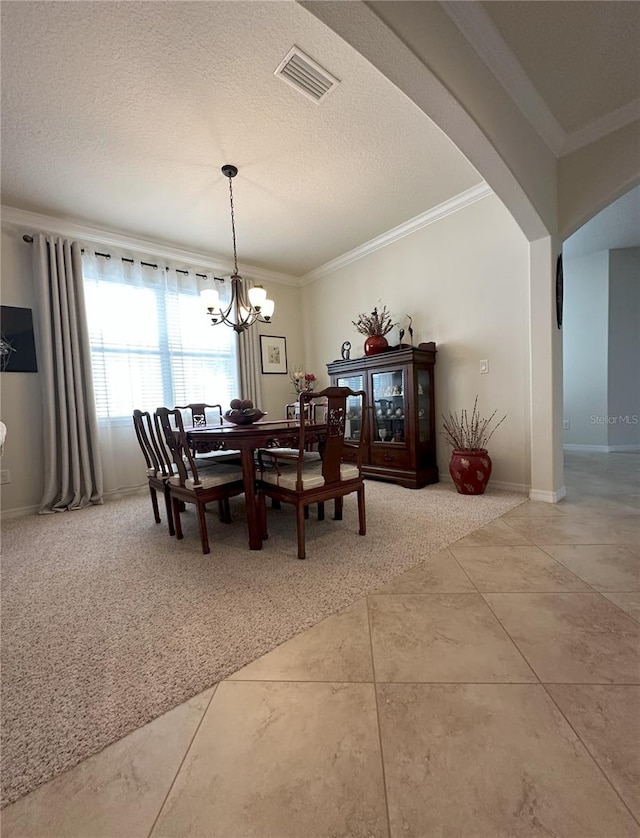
(353, 424)
(424, 415)
(388, 390)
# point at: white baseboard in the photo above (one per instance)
(502, 485)
(546, 496)
(505, 486)
(602, 449)
(20, 512)
(122, 493)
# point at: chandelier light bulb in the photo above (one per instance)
(267, 309)
(257, 296)
(211, 299)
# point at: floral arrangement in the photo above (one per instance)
(375, 323)
(466, 433)
(303, 382)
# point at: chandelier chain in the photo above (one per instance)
(233, 228)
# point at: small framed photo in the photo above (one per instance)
(273, 353)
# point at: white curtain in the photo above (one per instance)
(72, 464)
(152, 345)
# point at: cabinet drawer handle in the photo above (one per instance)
(389, 458)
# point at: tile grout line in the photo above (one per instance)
(453, 556)
(375, 696)
(586, 747)
(619, 607)
(560, 562)
(504, 629)
(182, 761)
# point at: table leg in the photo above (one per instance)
(248, 477)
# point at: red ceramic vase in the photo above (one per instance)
(374, 344)
(470, 471)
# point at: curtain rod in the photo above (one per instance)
(29, 240)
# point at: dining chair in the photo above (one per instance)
(192, 483)
(302, 477)
(199, 415)
(314, 411)
(159, 468)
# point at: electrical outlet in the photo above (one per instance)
(5, 476)
(484, 367)
(566, 424)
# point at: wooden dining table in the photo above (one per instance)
(279, 433)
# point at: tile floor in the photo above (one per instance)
(492, 691)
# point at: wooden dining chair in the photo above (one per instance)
(192, 483)
(159, 467)
(310, 477)
(201, 415)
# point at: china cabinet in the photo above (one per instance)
(401, 436)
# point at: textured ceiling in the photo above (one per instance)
(582, 57)
(119, 115)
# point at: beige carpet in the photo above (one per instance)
(107, 622)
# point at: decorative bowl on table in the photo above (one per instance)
(244, 417)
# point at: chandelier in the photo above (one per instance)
(245, 307)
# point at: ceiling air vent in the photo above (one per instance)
(302, 72)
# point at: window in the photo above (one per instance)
(151, 341)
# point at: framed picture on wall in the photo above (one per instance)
(273, 353)
(17, 346)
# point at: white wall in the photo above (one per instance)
(585, 339)
(624, 348)
(20, 394)
(277, 389)
(464, 280)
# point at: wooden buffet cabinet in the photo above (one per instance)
(399, 384)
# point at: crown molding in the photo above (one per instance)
(480, 31)
(33, 222)
(464, 199)
(599, 128)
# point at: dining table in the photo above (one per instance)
(274, 433)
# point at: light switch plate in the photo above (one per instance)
(566, 424)
(5, 476)
(484, 367)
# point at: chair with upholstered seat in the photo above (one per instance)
(310, 477)
(159, 468)
(192, 483)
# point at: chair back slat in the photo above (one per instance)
(155, 453)
(143, 440)
(171, 430)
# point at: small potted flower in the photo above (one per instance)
(375, 326)
(470, 465)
